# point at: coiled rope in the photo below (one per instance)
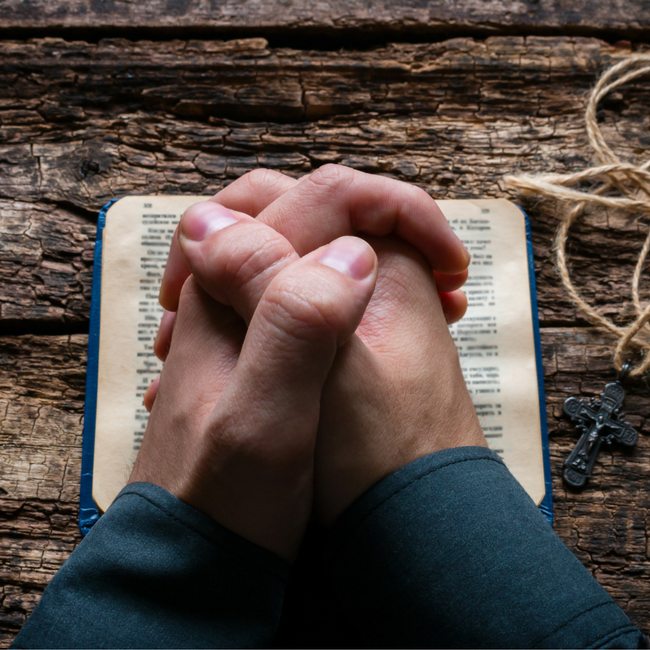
(633, 185)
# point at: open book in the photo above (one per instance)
(498, 340)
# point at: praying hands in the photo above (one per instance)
(264, 351)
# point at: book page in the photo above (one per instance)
(136, 241)
(495, 339)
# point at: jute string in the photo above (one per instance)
(623, 186)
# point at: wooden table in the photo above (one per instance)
(448, 99)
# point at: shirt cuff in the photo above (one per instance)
(155, 572)
(450, 551)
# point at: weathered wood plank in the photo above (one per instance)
(41, 401)
(41, 407)
(46, 256)
(452, 117)
(65, 85)
(630, 18)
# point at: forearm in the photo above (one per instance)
(154, 572)
(450, 551)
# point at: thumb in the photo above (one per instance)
(272, 401)
(307, 311)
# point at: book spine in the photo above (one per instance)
(88, 511)
(546, 506)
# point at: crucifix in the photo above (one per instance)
(600, 421)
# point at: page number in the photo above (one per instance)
(147, 205)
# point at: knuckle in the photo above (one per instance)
(262, 177)
(419, 194)
(332, 176)
(246, 262)
(417, 199)
(300, 313)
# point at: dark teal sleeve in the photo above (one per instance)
(450, 551)
(155, 573)
(446, 552)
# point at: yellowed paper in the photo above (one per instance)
(136, 242)
(495, 339)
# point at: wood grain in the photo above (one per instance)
(81, 123)
(434, 17)
(452, 117)
(46, 256)
(41, 403)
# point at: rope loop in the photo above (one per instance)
(633, 185)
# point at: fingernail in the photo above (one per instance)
(203, 219)
(351, 256)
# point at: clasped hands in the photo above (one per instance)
(304, 364)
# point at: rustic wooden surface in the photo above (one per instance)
(356, 18)
(83, 122)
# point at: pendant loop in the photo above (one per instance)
(625, 371)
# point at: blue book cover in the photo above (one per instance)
(546, 506)
(88, 511)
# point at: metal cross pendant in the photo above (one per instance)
(600, 421)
